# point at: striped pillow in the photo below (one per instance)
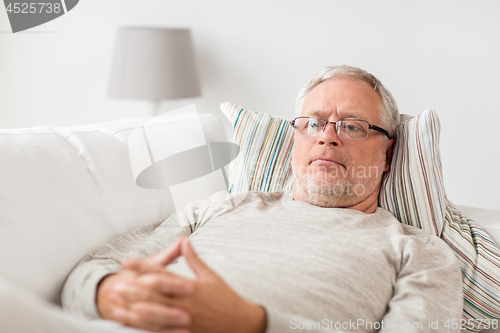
(412, 190)
(264, 162)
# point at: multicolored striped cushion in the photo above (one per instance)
(264, 162)
(413, 191)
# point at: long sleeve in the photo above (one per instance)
(427, 296)
(343, 272)
(428, 289)
(79, 292)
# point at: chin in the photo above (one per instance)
(321, 182)
(334, 191)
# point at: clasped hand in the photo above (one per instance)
(147, 296)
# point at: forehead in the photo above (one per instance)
(342, 98)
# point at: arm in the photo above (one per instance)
(212, 305)
(428, 288)
(427, 294)
(427, 297)
(80, 290)
(131, 293)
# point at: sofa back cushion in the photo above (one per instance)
(65, 192)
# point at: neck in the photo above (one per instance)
(367, 205)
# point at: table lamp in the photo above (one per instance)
(153, 64)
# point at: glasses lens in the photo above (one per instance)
(309, 126)
(350, 129)
(355, 129)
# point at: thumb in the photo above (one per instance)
(165, 257)
(196, 264)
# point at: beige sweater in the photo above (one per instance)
(312, 268)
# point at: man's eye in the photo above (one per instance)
(313, 125)
(353, 127)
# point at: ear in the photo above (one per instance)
(389, 153)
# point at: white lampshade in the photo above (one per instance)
(154, 64)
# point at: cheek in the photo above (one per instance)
(367, 156)
(299, 152)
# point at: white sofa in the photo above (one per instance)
(65, 192)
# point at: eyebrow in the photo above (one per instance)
(346, 115)
(316, 113)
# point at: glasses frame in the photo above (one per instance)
(337, 127)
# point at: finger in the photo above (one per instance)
(196, 264)
(167, 283)
(157, 261)
(176, 330)
(152, 316)
(141, 266)
(128, 293)
(159, 279)
(168, 255)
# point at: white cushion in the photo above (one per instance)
(65, 192)
(17, 304)
(489, 219)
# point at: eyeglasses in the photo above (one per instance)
(346, 128)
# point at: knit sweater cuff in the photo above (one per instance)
(82, 298)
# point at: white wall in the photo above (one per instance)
(442, 54)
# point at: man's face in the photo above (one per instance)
(337, 172)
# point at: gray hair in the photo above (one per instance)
(389, 109)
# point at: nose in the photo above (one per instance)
(329, 136)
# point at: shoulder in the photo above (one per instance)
(234, 199)
(412, 241)
(404, 230)
(428, 240)
(222, 202)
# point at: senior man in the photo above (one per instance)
(324, 257)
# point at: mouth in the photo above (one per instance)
(326, 161)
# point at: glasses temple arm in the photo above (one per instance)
(380, 129)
